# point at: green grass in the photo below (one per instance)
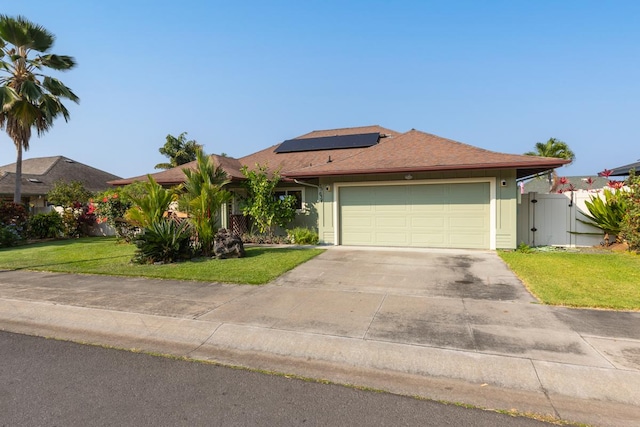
(596, 280)
(100, 255)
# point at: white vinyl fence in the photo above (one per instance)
(551, 220)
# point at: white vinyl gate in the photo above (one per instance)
(552, 220)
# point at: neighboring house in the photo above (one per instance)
(40, 174)
(373, 186)
(541, 185)
(624, 170)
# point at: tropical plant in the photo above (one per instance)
(29, 99)
(606, 214)
(163, 241)
(303, 236)
(202, 197)
(552, 148)
(45, 225)
(267, 210)
(151, 206)
(178, 150)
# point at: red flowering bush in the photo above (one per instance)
(109, 207)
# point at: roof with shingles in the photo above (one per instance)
(412, 151)
(175, 176)
(417, 151)
(41, 173)
(626, 169)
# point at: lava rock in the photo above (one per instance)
(227, 245)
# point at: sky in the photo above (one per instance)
(244, 75)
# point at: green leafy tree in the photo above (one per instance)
(150, 207)
(267, 211)
(202, 198)
(29, 99)
(68, 194)
(552, 148)
(178, 150)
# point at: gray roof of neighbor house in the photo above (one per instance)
(39, 175)
(541, 185)
(624, 170)
(394, 152)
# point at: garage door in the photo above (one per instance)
(420, 215)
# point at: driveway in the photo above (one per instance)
(460, 299)
(479, 275)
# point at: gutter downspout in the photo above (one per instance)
(311, 185)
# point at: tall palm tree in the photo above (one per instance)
(29, 99)
(552, 148)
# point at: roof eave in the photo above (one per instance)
(524, 167)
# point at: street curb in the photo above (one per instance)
(492, 381)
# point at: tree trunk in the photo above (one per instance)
(17, 195)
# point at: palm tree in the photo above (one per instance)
(202, 198)
(178, 150)
(29, 99)
(552, 148)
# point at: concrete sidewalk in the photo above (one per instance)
(419, 334)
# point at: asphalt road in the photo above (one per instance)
(47, 383)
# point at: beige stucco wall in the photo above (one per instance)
(505, 200)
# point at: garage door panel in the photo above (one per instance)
(391, 222)
(391, 239)
(423, 215)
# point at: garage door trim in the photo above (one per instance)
(492, 199)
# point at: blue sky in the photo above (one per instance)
(241, 76)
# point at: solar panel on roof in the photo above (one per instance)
(361, 140)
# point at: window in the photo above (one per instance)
(281, 194)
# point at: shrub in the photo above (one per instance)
(267, 210)
(43, 226)
(9, 235)
(163, 241)
(74, 199)
(631, 220)
(263, 239)
(303, 236)
(109, 207)
(13, 223)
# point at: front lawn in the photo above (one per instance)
(100, 255)
(576, 279)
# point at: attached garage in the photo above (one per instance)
(420, 214)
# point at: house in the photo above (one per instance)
(374, 186)
(625, 170)
(541, 185)
(40, 174)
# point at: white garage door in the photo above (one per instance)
(420, 215)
